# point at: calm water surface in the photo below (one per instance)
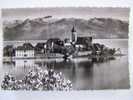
(84, 73)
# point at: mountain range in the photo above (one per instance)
(48, 27)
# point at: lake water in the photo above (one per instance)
(84, 73)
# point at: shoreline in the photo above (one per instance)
(8, 59)
(46, 40)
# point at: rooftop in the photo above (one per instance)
(25, 46)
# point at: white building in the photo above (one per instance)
(25, 51)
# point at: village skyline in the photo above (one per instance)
(85, 45)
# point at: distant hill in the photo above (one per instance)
(44, 28)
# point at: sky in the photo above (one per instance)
(68, 12)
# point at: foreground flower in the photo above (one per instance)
(38, 79)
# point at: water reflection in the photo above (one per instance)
(102, 59)
(83, 72)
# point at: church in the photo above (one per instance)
(81, 42)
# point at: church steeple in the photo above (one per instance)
(73, 30)
(73, 36)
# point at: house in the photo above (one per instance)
(40, 48)
(54, 45)
(84, 43)
(25, 51)
(67, 42)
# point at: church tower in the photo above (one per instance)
(73, 35)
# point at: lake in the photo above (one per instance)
(85, 74)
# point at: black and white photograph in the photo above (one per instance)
(65, 49)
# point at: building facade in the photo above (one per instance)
(25, 51)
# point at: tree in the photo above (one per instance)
(9, 51)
